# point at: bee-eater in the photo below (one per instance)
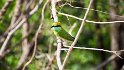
(60, 32)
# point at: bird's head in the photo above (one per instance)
(56, 24)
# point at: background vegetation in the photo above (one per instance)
(20, 45)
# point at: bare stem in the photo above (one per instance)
(4, 8)
(89, 20)
(38, 31)
(77, 36)
(58, 57)
(96, 49)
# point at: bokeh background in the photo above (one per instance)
(19, 48)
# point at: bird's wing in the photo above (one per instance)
(65, 35)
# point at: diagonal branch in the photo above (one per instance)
(9, 35)
(37, 34)
(17, 27)
(4, 8)
(77, 36)
(50, 62)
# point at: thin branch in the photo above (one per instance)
(89, 20)
(77, 36)
(96, 49)
(2, 38)
(36, 35)
(25, 43)
(53, 3)
(86, 48)
(4, 8)
(13, 25)
(9, 35)
(36, 7)
(16, 18)
(17, 12)
(14, 29)
(50, 62)
(30, 13)
(115, 54)
(122, 17)
(86, 8)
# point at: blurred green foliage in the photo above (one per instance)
(79, 59)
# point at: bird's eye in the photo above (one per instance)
(56, 26)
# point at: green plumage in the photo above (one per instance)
(60, 32)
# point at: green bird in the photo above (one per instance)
(60, 32)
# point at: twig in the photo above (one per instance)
(37, 34)
(115, 54)
(89, 20)
(30, 13)
(9, 35)
(91, 10)
(2, 38)
(96, 49)
(65, 49)
(13, 30)
(14, 17)
(53, 3)
(13, 25)
(86, 48)
(50, 62)
(77, 36)
(86, 8)
(36, 7)
(25, 43)
(16, 12)
(4, 8)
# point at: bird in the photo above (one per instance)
(60, 32)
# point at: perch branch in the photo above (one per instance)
(59, 45)
(77, 36)
(96, 49)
